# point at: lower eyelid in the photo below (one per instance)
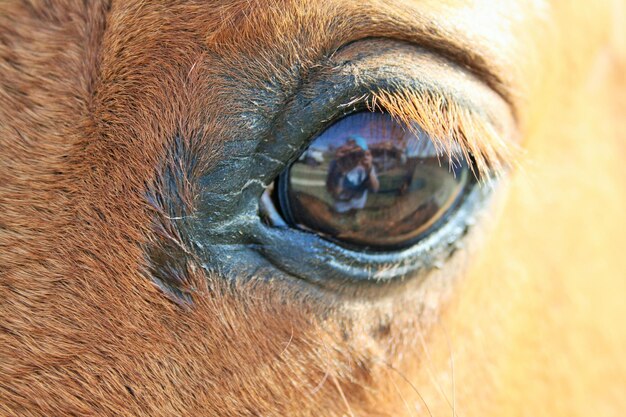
(233, 230)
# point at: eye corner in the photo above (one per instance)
(276, 229)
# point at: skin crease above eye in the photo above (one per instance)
(111, 111)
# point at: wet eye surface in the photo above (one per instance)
(336, 187)
(367, 182)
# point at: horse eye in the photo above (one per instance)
(368, 182)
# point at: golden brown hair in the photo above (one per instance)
(109, 112)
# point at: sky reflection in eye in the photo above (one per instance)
(368, 182)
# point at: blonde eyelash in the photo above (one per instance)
(451, 128)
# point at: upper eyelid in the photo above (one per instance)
(456, 108)
(293, 120)
(475, 51)
(457, 51)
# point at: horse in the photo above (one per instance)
(154, 259)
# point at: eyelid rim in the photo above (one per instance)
(441, 83)
(459, 53)
(228, 230)
(338, 265)
(280, 214)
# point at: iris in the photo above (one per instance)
(370, 183)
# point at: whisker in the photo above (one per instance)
(406, 405)
(429, 368)
(321, 383)
(448, 342)
(343, 397)
(413, 387)
(288, 344)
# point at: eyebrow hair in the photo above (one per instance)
(458, 133)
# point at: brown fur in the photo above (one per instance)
(92, 98)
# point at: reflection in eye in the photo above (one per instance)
(368, 181)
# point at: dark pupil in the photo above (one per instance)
(368, 181)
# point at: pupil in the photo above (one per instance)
(369, 182)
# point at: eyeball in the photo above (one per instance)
(370, 183)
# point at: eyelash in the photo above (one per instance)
(396, 214)
(457, 132)
(417, 88)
